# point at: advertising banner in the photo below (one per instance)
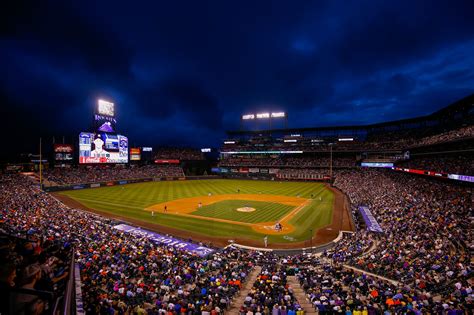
(166, 161)
(273, 170)
(464, 178)
(63, 152)
(166, 240)
(63, 148)
(376, 164)
(423, 172)
(135, 154)
(370, 221)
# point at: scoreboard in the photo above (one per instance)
(102, 148)
(104, 116)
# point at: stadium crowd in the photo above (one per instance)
(270, 293)
(119, 273)
(394, 140)
(426, 246)
(427, 239)
(292, 173)
(182, 154)
(333, 289)
(451, 164)
(30, 263)
(456, 134)
(81, 175)
(299, 162)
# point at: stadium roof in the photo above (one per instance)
(461, 109)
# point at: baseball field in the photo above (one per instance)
(217, 210)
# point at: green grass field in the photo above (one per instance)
(227, 209)
(131, 200)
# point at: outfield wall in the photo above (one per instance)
(303, 250)
(155, 179)
(122, 182)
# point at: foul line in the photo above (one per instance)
(295, 211)
(284, 219)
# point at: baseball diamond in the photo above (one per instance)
(208, 209)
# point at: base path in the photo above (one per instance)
(186, 206)
(287, 227)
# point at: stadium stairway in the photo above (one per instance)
(300, 296)
(394, 282)
(240, 298)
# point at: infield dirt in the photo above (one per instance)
(341, 220)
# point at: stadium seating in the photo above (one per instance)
(81, 175)
(182, 154)
(453, 164)
(119, 272)
(420, 263)
(380, 141)
(300, 162)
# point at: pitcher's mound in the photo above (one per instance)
(246, 209)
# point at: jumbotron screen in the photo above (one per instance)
(105, 108)
(102, 148)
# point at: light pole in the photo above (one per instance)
(40, 166)
(330, 163)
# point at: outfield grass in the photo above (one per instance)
(131, 200)
(227, 209)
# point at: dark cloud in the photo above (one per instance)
(183, 72)
(190, 99)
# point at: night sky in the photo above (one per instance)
(182, 72)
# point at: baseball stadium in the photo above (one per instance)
(225, 210)
(250, 158)
(294, 205)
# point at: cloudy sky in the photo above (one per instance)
(182, 72)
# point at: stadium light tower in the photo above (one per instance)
(261, 116)
(330, 162)
(40, 164)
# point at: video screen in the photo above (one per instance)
(376, 164)
(135, 154)
(102, 148)
(105, 108)
(63, 152)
